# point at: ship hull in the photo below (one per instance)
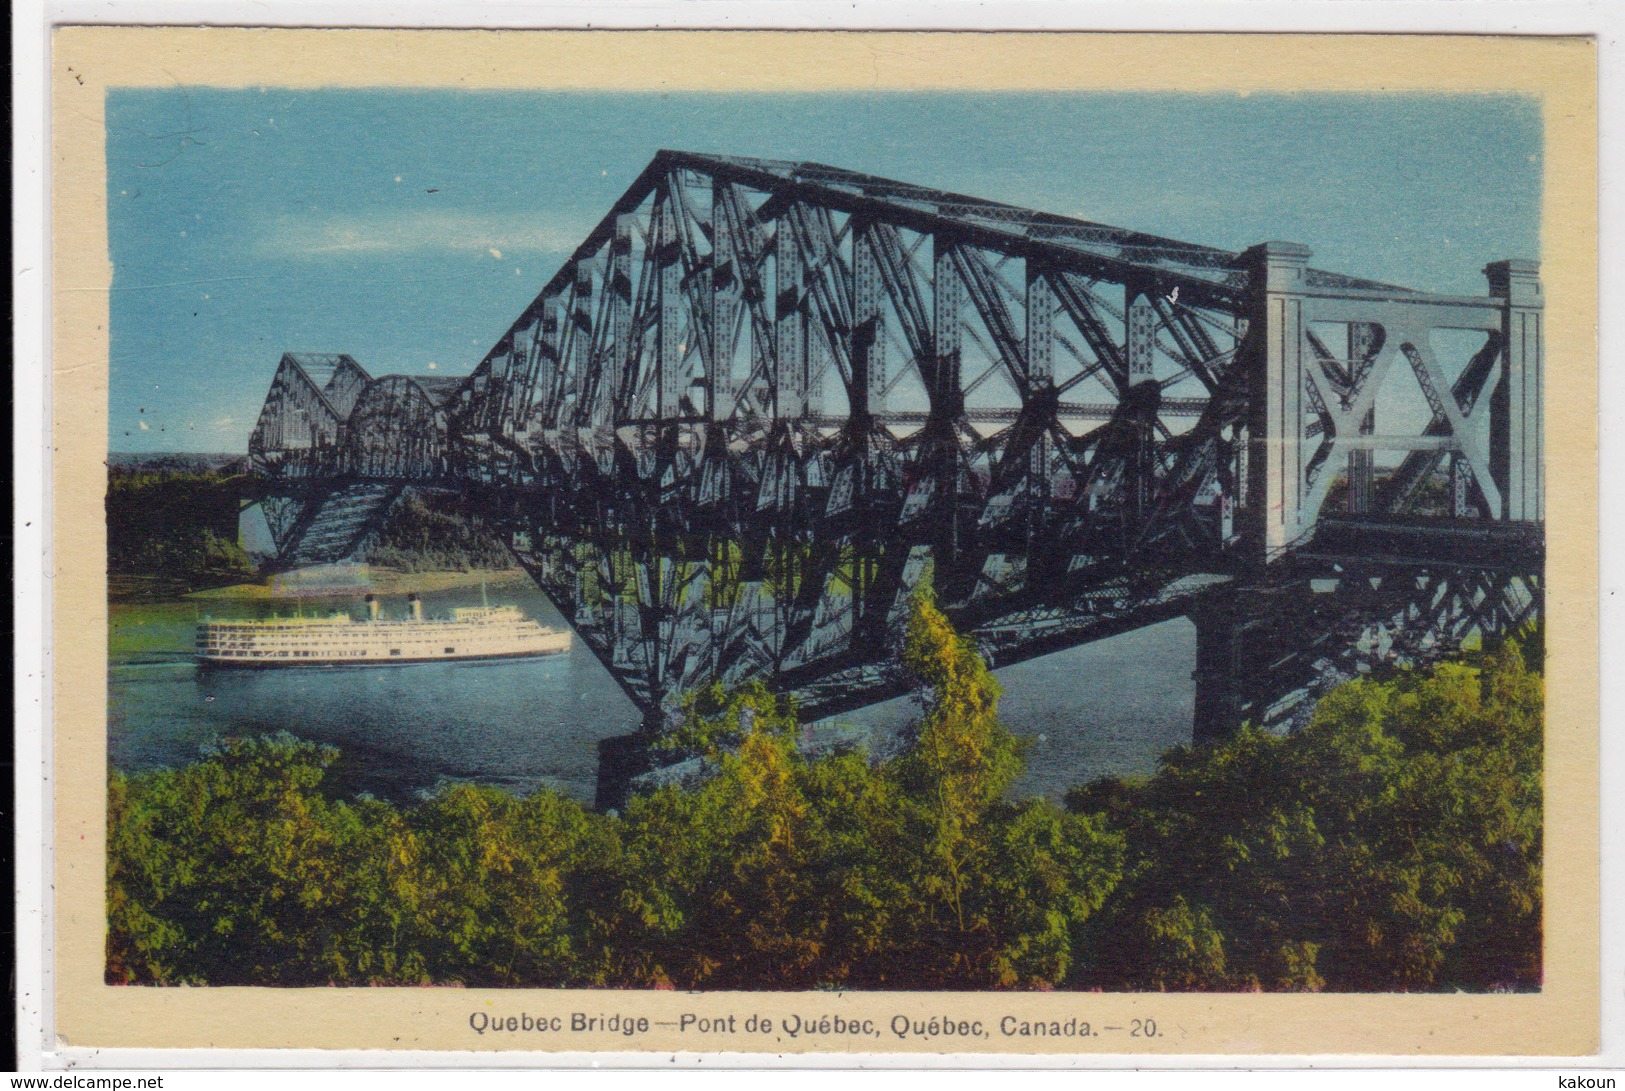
(470, 634)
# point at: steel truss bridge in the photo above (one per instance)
(764, 401)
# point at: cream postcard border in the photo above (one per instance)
(86, 61)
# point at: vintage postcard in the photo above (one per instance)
(842, 542)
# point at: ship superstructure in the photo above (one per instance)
(470, 632)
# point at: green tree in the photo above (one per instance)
(991, 893)
(237, 870)
(962, 758)
(507, 889)
(786, 872)
(729, 884)
(1393, 843)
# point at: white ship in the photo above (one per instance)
(471, 632)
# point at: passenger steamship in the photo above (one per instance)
(471, 632)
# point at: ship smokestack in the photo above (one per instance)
(372, 608)
(416, 606)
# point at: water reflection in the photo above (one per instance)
(525, 724)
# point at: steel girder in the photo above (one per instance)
(300, 426)
(1266, 653)
(763, 401)
(1457, 375)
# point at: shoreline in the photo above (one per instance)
(364, 581)
(138, 591)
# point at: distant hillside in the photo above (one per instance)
(430, 531)
(173, 518)
(188, 462)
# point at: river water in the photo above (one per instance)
(1108, 708)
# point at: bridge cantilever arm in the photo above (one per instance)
(1012, 242)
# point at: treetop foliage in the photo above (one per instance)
(1394, 843)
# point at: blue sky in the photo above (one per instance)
(409, 228)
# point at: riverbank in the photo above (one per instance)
(133, 590)
(364, 579)
(406, 729)
(1418, 774)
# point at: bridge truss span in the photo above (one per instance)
(765, 401)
